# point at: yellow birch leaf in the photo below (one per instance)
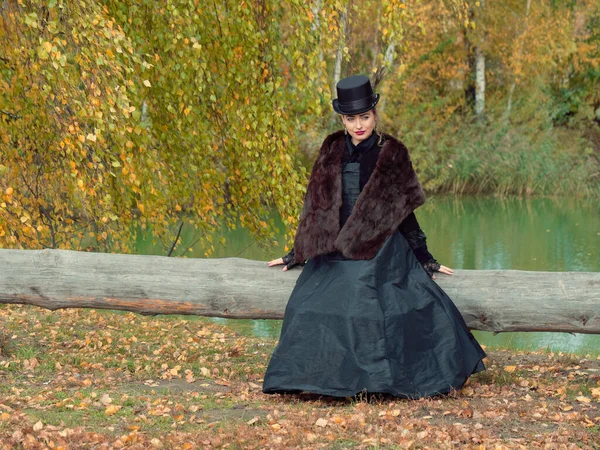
(112, 409)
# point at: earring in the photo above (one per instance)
(345, 130)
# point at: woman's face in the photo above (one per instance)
(360, 126)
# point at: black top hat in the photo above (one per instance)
(355, 96)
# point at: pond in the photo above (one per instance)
(477, 233)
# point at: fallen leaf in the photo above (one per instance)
(321, 422)
(510, 369)
(38, 426)
(583, 399)
(112, 409)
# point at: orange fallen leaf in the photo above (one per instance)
(510, 369)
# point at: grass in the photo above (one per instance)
(517, 160)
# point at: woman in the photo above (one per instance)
(365, 314)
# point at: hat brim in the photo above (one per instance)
(357, 110)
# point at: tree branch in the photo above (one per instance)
(13, 116)
(176, 239)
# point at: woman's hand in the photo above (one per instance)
(432, 266)
(444, 269)
(286, 260)
(277, 262)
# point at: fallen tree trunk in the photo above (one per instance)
(491, 300)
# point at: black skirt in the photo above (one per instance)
(377, 326)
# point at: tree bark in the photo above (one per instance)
(337, 74)
(480, 70)
(479, 82)
(490, 300)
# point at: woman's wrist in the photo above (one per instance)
(431, 266)
(289, 258)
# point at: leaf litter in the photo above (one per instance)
(108, 380)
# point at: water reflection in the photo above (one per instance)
(476, 233)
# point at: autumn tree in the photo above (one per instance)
(73, 162)
(152, 114)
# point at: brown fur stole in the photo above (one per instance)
(391, 194)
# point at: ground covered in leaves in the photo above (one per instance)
(100, 380)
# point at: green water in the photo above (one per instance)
(475, 233)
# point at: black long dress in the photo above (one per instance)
(379, 326)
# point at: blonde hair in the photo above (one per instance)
(376, 131)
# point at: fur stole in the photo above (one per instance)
(391, 194)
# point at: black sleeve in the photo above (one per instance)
(416, 238)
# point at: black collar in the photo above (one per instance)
(362, 146)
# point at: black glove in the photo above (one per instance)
(288, 260)
(431, 266)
